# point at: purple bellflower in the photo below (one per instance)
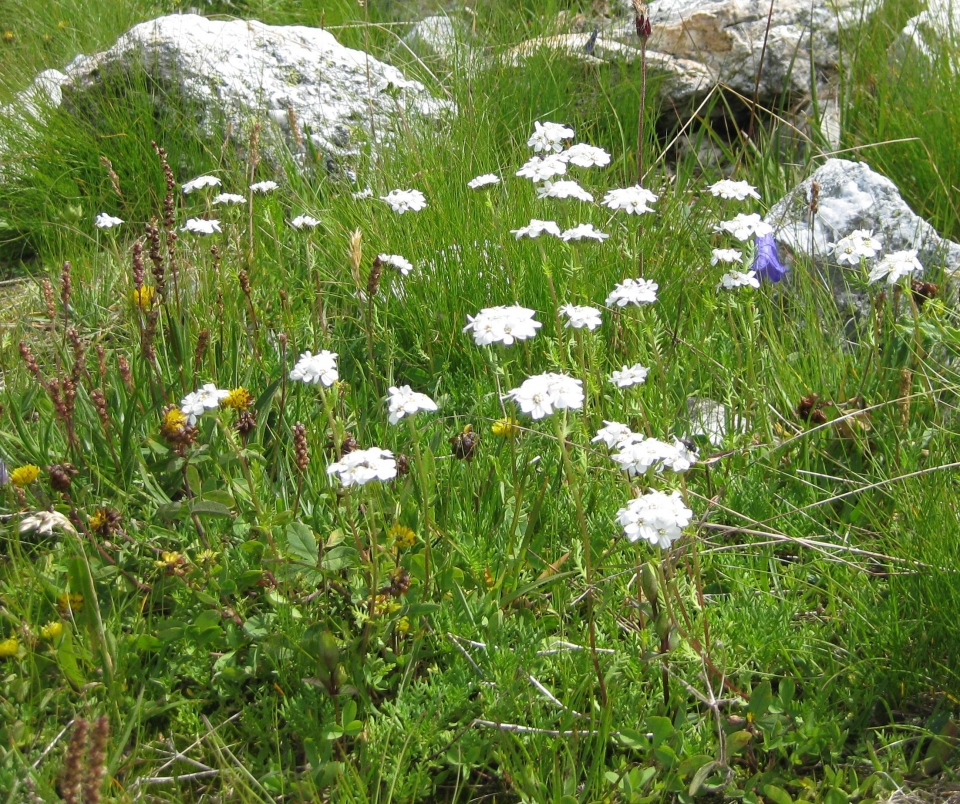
(767, 262)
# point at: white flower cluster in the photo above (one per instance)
(584, 231)
(398, 263)
(633, 291)
(859, 244)
(542, 394)
(405, 200)
(895, 266)
(634, 375)
(319, 369)
(585, 156)
(549, 137)
(638, 454)
(730, 255)
(537, 228)
(744, 227)
(632, 200)
(502, 325)
(201, 226)
(655, 517)
(195, 403)
(228, 198)
(199, 183)
(564, 189)
(734, 190)
(264, 187)
(486, 180)
(581, 317)
(363, 465)
(304, 222)
(738, 279)
(539, 168)
(404, 401)
(105, 221)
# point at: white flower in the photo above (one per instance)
(638, 454)
(537, 228)
(613, 435)
(584, 231)
(726, 255)
(316, 369)
(895, 266)
(633, 200)
(564, 189)
(264, 187)
(304, 222)
(199, 183)
(502, 325)
(228, 198)
(196, 402)
(635, 375)
(485, 180)
(405, 200)
(744, 227)
(549, 136)
(856, 245)
(738, 279)
(201, 226)
(579, 317)
(633, 291)
(739, 190)
(683, 458)
(105, 221)
(363, 465)
(404, 401)
(541, 394)
(366, 192)
(43, 523)
(583, 155)
(397, 262)
(543, 168)
(655, 517)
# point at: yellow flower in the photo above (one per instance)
(403, 625)
(63, 25)
(172, 559)
(24, 475)
(175, 427)
(67, 603)
(505, 428)
(238, 399)
(9, 36)
(402, 536)
(143, 298)
(207, 556)
(9, 647)
(51, 630)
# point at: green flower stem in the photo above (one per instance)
(335, 433)
(573, 479)
(245, 465)
(425, 494)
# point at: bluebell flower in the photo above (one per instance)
(767, 262)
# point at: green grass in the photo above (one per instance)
(248, 616)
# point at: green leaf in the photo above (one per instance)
(776, 794)
(301, 543)
(761, 698)
(737, 741)
(208, 508)
(662, 729)
(787, 690)
(634, 739)
(701, 776)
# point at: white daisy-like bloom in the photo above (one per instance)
(549, 137)
(486, 180)
(105, 221)
(634, 200)
(634, 375)
(195, 403)
(734, 190)
(405, 200)
(228, 198)
(404, 401)
(730, 255)
(44, 522)
(856, 245)
(613, 434)
(502, 325)
(366, 192)
(542, 394)
(584, 231)
(201, 226)
(732, 280)
(264, 187)
(683, 458)
(319, 369)
(633, 291)
(199, 183)
(895, 266)
(638, 454)
(543, 168)
(744, 227)
(537, 228)
(581, 316)
(583, 155)
(363, 465)
(655, 517)
(304, 222)
(564, 189)
(404, 266)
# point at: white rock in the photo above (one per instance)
(240, 71)
(932, 30)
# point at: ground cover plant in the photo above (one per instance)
(487, 472)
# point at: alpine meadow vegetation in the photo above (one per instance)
(489, 467)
